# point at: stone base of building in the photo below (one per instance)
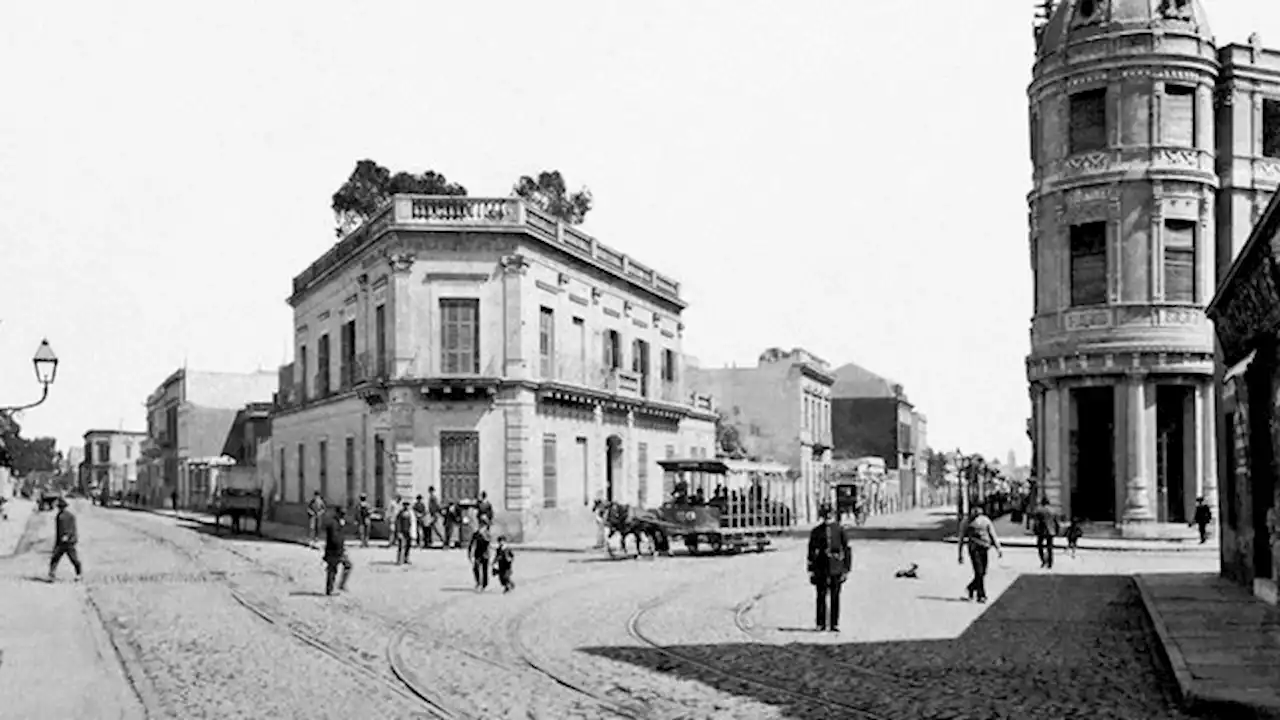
(1265, 590)
(1157, 531)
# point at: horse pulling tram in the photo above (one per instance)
(728, 504)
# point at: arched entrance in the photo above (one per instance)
(612, 466)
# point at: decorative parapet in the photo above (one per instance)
(446, 213)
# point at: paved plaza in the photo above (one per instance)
(173, 621)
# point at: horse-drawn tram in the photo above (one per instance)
(727, 504)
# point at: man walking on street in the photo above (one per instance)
(979, 534)
(174, 497)
(335, 551)
(420, 518)
(364, 516)
(433, 517)
(315, 515)
(829, 563)
(64, 542)
(1203, 517)
(404, 533)
(1046, 527)
(478, 554)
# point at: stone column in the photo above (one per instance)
(1139, 439)
(1192, 451)
(1207, 412)
(1054, 455)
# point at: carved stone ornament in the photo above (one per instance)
(1175, 9)
(595, 296)
(562, 279)
(363, 281)
(657, 320)
(401, 262)
(626, 308)
(514, 264)
(1089, 11)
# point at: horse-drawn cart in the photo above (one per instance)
(728, 504)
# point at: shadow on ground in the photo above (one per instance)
(1050, 647)
(935, 527)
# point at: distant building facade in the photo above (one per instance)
(781, 409)
(1153, 153)
(111, 460)
(188, 418)
(1246, 316)
(473, 345)
(872, 417)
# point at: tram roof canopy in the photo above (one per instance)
(721, 466)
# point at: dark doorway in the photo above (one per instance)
(1093, 471)
(1171, 452)
(612, 465)
(1261, 455)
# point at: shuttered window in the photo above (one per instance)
(1088, 121)
(1178, 117)
(379, 472)
(459, 466)
(1089, 264)
(1271, 128)
(1180, 261)
(642, 473)
(350, 463)
(547, 342)
(323, 452)
(612, 350)
(550, 483)
(460, 336)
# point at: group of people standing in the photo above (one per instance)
(413, 524)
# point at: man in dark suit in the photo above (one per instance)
(335, 551)
(830, 560)
(64, 542)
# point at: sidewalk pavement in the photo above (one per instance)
(11, 530)
(1222, 643)
(1016, 534)
(298, 535)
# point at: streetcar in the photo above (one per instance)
(728, 504)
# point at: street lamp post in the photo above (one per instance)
(46, 367)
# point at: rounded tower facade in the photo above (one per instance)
(1122, 249)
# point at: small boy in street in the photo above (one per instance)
(1074, 533)
(364, 516)
(503, 559)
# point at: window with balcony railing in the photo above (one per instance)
(346, 372)
(612, 350)
(460, 336)
(640, 364)
(668, 365)
(380, 340)
(324, 361)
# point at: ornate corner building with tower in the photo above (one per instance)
(1154, 152)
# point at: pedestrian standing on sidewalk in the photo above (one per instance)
(504, 564)
(484, 510)
(420, 519)
(1203, 517)
(829, 563)
(364, 516)
(1074, 533)
(174, 497)
(404, 533)
(64, 542)
(1046, 527)
(315, 516)
(433, 511)
(979, 534)
(335, 551)
(452, 525)
(478, 554)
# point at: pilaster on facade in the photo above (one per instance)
(517, 415)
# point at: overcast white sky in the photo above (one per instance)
(844, 176)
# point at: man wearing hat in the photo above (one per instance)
(65, 540)
(335, 551)
(830, 560)
(404, 532)
(1202, 518)
(364, 516)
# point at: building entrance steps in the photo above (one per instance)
(1222, 643)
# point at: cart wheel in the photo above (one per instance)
(717, 546)
(691, 544)
(760, 546)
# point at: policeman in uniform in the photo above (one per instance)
(830, 560)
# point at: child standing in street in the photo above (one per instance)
(1074, 533)
(503, 559)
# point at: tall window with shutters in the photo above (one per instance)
(612, 350)
(322, 367)
(1180, 261)
(283, 476)
(640, 364)
(1088, 121)
(1178, 116)
(550, 483)
(302, 475)
(460, 336)
(1271, 127)
(459, 465)
(380, 340)
(379, 472)
(350, 465)
(323, 450)
(302, 369)
(668, 365)
(348, 372)
(547, 342)
(1089, 264)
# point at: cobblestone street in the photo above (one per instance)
(239, 628)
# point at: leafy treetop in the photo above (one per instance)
(371, 186)
(548, 193)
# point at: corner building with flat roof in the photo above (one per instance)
(1153, 154)
(471, 345)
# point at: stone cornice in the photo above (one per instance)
(1153, 361)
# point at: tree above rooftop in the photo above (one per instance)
(370, 186)
(548, 193)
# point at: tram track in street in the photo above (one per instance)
(636, 630)
(400, 682)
